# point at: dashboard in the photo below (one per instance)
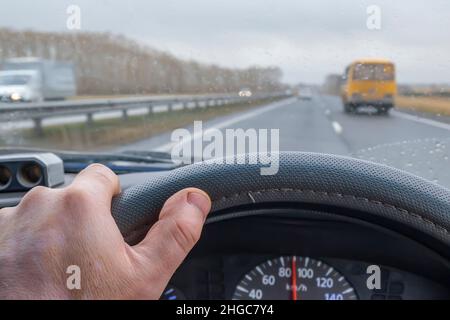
(287, 254)
(324, 228)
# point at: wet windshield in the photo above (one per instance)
(360, 79)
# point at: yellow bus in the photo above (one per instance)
(369, 82)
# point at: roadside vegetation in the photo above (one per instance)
(433, 99)
(430, 104)
(108, 64)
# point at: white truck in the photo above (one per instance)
(36, 80)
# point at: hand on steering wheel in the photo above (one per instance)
(55, 233)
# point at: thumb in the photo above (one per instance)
(174, 235)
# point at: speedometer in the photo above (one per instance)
(294, 278)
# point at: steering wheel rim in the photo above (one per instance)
(377, 192)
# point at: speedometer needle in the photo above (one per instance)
(294, 278)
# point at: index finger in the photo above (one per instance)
(97, 179)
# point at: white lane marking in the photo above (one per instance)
(348, 290)
(226, 123)
(337, 127)
(242, 289)
(418, 119)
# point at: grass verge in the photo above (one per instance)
(436, 105)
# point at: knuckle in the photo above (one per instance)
(75, 195)
(104, 178)
(96, 165)
(37, 197)
(103, 173)
(184, 234)
(36, 194)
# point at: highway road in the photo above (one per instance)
(408, 142)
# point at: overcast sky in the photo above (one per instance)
(307, 39)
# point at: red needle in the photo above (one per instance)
(294, 278)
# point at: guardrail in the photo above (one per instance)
(37, 112)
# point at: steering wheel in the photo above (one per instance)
(371, 192)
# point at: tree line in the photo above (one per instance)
(113, 64)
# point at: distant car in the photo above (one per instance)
(34, 80)
(20, 86)
(245, 93)
(305, 94)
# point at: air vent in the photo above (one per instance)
(22, 172)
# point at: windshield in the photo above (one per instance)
(14, 80)
(378, 72)
(126, 77)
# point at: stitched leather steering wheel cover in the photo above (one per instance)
(375, 190)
